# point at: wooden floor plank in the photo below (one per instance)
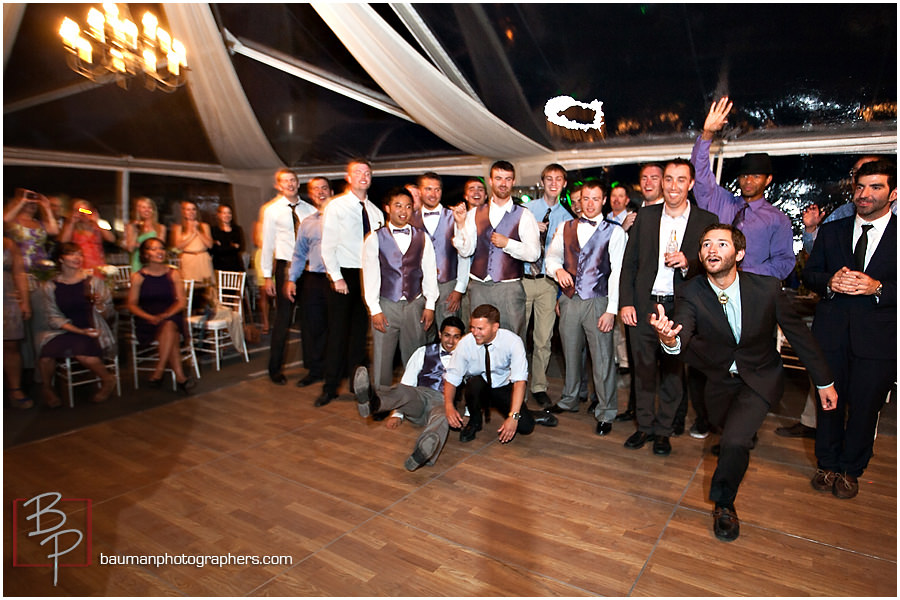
(256, 469)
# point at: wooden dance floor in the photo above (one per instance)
(255, 469)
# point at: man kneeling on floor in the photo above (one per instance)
(492, 362)
(418, 396)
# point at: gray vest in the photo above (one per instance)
(588, 266)
(445, 254)
(488, 258)
(401, 274)
(432, 373)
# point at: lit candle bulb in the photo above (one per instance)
(96, 20)
(150, 23)
(69, 31)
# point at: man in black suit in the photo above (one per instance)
(853, 266)
(661, 254)
(725, 326)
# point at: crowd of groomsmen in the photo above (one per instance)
(588, 261)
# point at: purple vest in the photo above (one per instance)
(588, 266)
(445, 255)
(401, 274)
(432, 373)
(488, 258)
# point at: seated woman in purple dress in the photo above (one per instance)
(156, 299)
(76, 306)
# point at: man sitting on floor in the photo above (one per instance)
(419, 395)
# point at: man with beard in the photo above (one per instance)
(722, 325)
(853, 266)
(501, 237)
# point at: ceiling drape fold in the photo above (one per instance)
(422, 90)
(232, 127)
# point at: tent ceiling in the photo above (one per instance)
(797, 72)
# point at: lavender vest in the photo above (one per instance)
(445, 254)
(401, 274)
(488, 258)
(589, 266)
(432, 373)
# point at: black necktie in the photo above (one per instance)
(295, 219)
(487, 364)
(538, 265)
(365, 219)
(588, 221)
(862, 244)
(738, 220)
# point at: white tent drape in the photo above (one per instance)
(234, 132)
(425, 93)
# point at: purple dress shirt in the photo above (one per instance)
(770, 239)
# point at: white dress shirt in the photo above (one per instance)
(874, 234)
(372, 269)
(617, 243)
(527, 248)
(508, 361)
(278, 230)
(664, 284)
(342, 238)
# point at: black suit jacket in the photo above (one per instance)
(641, 259)
(868, 328)
(708, 343)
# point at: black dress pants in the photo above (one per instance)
(284, 311)
(313, 298)
(739, 412)
(348, 326)
(480, 397)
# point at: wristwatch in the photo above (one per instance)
(878, 290)
(516, 416)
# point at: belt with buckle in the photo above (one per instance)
(541, 276)
(662, 299)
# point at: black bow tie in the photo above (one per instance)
(431, 213)
(444, 353)
(588, 221)
(404, 230)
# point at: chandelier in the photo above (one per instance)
(113, 48)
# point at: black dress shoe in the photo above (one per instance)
(308, 380)
(467, 434)
(628, 415)
(542, 398)
(677, 428)
(380, 416)
(661, 446)
(557, 409)
(594, 402)
(542, 417)
(324, 398)
(798, 429)
(726, 524)
(278, 378)
(155, 383)
(604, 427)
(637, 440)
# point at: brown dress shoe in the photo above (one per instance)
(726, 524)
(845, 486)
(823, 480)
